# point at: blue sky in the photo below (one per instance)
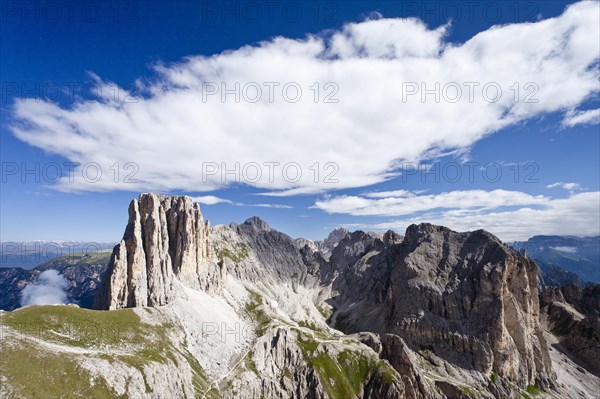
(374, 138)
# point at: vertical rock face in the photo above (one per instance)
(466, 296)
(165, 237)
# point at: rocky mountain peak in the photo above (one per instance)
(391, 237)
(165, 237)
(335, 236)
(257, 224)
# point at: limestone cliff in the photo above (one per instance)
(465, 297)
(165, 237)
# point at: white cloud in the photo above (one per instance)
(578, 214)
(274, 206)
(210, 200)
(170, 133)
(567, 186)
(49, 289)
(568, 250)
(395, 193)
(409, 204)
(589, 117)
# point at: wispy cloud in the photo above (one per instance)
(275, 206)
(567, 250)
(589, 117)
(172, 129)
(511, 215)
(212, 200)
(567, 186)
(410, 203)
(386, 194)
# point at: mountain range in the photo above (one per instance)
(185, 309)
(578, 257)
(29, 254)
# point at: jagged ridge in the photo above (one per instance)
(463, 300)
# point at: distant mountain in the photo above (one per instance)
(555, 276)
(82, 271)
(576, 255)
(326, 246)
(29, 254)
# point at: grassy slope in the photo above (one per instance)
(34, 371)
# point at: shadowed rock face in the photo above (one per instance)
(572, 314)
(464, 295)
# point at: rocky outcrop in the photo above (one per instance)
(165, 237)
(404, 361)
(464, 296)
(277, 253)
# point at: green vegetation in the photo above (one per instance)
(494, 377)
(239, 253)
(468, 391)
(200, 379)
(533, 390)
(325, 312)
(319, 332)
(287, 372)
(388, 373)
(342, 376)
(74, 326)
(250, 365)
(43, 374)
(136, 343)
(254, 309)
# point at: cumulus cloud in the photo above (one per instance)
(49, 289)
(511, 215)
(177, 132)
(589, 117)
